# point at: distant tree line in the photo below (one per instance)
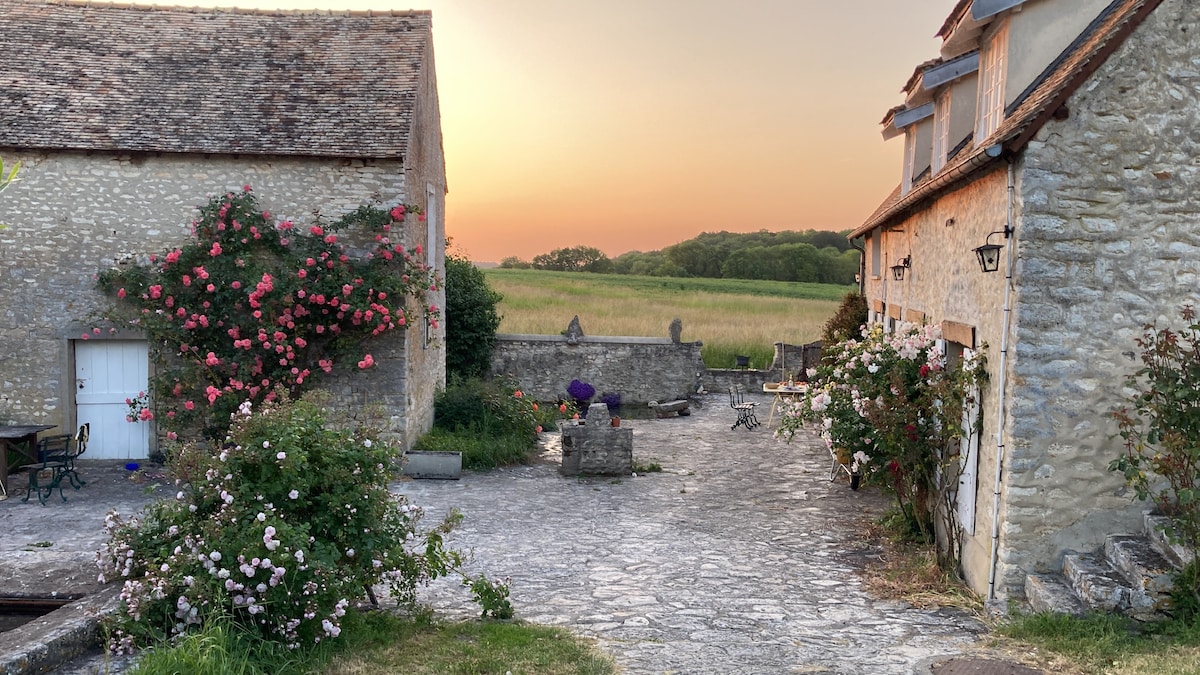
(812, 255)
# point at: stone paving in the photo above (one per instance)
(739, 557)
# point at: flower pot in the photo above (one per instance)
(444, 465)
(855, 481)
(616, 421)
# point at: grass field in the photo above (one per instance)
(730, 316)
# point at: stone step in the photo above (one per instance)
(1097, 583)
(1147, 572)
(1178, 555)
(1050, 593)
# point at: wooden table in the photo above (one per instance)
(782, 391)
(23, 439)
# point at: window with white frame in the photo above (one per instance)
(910, 159)
(941, 131)
(993, 64)
(876, 245)
(432, 245)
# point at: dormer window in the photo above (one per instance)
(993, 66)
(941, 131)
(918, 144)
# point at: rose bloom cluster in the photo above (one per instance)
(251, 306)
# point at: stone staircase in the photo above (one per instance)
(1131, 576)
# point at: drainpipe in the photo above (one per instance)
(862, 267)
(1004, 328)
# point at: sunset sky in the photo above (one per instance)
(636, 124)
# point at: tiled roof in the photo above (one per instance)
(121, 77)
(1061, 79)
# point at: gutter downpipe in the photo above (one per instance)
(1005, 323)
(862, 266)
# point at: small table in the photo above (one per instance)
(782, 391)
(23, 439)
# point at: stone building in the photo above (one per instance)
(125, 118)
(1062, 134)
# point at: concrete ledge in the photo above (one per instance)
(49, 641)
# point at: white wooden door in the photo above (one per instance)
(968, 480)
(106, 373)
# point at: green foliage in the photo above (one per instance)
(893, 406)
(621, 283)
(281, 532)
(491, 596)
(847, 323)
(1111, 643)
(6, 180)
(471, 319)
(1185, 593)
(646, 467)
(383, 642)
(479, 452)
(249, 306)
(1160, 425)
(380, 642)
(220, 647)
(512, 262)
(574, 259)
(809, 256)
(491, 422)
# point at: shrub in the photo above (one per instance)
(479, 452)
(612, 400)
(582, 393)
(286, 527)
(471, 319)
(848, 321)
(1160, 425)
(491, 422)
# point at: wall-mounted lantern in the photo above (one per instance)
(989, 253)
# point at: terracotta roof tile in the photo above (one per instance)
(1061, 79)
(98, 76)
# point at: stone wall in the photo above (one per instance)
(639, 369)
(74, 214)
(1108, 242)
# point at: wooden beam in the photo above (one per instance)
(959, 332)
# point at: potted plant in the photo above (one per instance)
(582, 393)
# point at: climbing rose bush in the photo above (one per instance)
(252, 305)
(891, 404)
(282, 531)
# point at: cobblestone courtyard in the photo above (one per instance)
(737, 558)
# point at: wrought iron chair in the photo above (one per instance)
(56, 461)
(745, 409)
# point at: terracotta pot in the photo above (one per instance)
(616, 421)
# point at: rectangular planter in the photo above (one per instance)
(443, 465)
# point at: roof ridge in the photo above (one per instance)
(193, 9)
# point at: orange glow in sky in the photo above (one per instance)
(636, 124)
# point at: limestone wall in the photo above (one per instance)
(1108, 242)
(639, 369)
(74, 214)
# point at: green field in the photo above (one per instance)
(730, 316)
